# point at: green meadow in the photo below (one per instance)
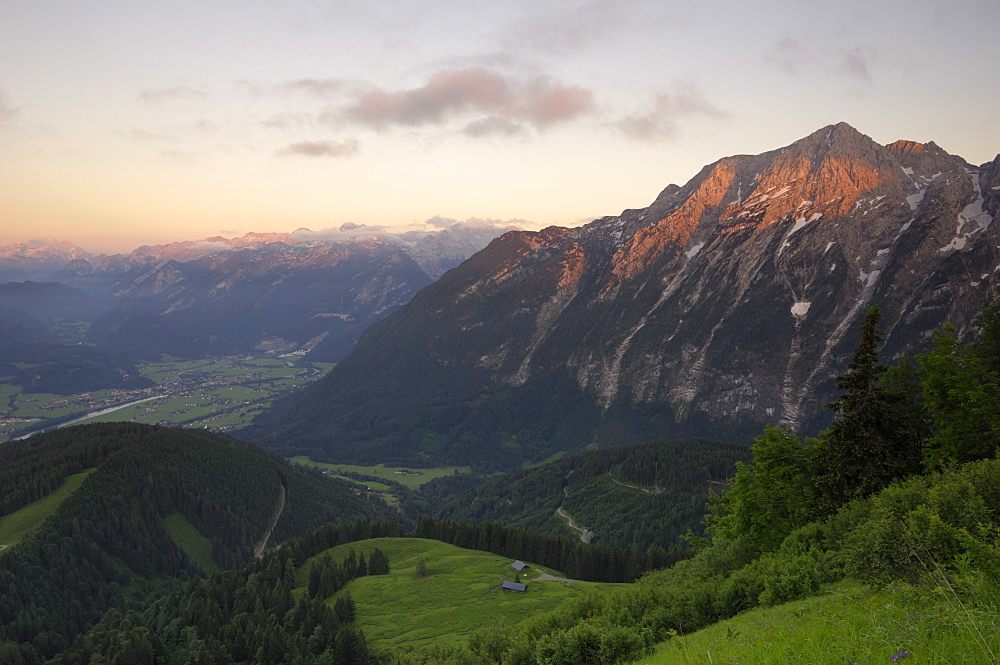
(460, 594)
(412, 480)
(850, 623)
(190, 540)
(24, 521)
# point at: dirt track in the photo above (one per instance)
(258, 549)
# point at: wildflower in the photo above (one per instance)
(901, 654)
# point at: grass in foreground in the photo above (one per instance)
(395, 474)
(460, 594)
(24, 521)
(851, 624)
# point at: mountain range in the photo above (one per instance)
(728, 302)
(282, 292)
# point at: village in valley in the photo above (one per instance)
(220, 394)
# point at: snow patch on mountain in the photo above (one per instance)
(691, 253)
(914, 199)
(972, 216)
(802, 221)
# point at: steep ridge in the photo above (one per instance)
(728, 302)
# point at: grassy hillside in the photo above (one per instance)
(25, 520)
(850, 623)
(914, 568)
(459, 595)
(187, 537)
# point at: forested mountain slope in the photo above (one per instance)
(648, 494)
(109, 541)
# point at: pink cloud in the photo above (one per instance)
(493, 126)
(661, 121)
(491, 102)
(546, 103)
(319, 149)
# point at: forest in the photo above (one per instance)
(643, 495)
(107, 545)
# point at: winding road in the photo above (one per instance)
(586, 535)
(656, 488)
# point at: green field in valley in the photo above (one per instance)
(221, 394)
(407, 477)
(24, 521)
(460, 594)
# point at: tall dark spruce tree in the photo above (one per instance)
(871, 443)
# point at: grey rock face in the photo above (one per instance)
(732, 299)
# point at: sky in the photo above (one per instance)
(129, 122)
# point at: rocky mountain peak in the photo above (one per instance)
(730, 301)
(904, 147)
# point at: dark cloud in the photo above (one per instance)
(494, 103)
(661, 121)
(154, 96)
(796, 59)
(320, 149)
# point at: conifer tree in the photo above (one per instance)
(870, 444)
(961, 388)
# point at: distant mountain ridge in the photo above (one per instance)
(728, 302)
(61, 261)
(283, 292)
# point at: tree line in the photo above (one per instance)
(593, 563)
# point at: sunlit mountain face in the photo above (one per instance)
(728, 302)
